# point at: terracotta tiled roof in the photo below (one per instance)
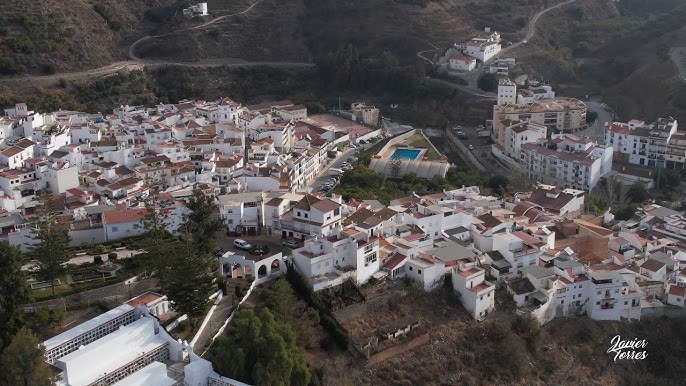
(123, 216)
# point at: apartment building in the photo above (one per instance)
(647, 144)
(476, 293)
(555, 114)
(519, 133)
(567, 161)
(312, 216)
(510, 93)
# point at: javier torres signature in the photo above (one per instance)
(628, 349)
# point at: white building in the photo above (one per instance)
(568, 162)
(483, 49)
(476, 294)
(328, 262)
(519, 133)
(426, 270)
(243, 213)
(312, 216)
(123, 223)
(462, 63)
(508, 93)
(641, 143)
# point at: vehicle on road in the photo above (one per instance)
(335, 172)
(471, 147)
(460, 133)
(242, 244)
(292, 244)
(218, 251)
(524, 41)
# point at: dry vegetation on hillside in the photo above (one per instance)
(616, 50)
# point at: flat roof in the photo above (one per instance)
(154, 374)
(90, 362)
(86, 326)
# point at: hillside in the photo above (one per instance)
(46, 36)
(617, 51)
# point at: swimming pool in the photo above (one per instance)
(406, 154)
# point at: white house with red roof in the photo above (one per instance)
(15, 155)
(676, 295)
(123, 223)
(462, 63)
(477, 294)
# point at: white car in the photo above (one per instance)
(242, 244)
(471, 147)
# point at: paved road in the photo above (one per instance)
(323, 175)
(597, 130)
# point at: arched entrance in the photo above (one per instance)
(262, 271)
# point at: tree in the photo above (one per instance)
(497, 184)
(51, 251)
(156, 238)
(23, 361)
(260, 350)
(488, 82)
(186, 279)
(13, 291)
(395, 168)
(203, 223)
(638, 192)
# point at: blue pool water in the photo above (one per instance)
(405, 154)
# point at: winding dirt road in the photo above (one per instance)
(136, 62)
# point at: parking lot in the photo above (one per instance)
(273, 242)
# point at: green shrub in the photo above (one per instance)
(183, 325)
(111, 256)
(20, 45)
(97, 259)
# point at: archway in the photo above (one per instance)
(275, 265)
(262, 271)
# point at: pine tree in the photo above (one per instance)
(156, 240)
(186, 279)
(13, 291)
(23, 362)
(51, 251)
(203, 223)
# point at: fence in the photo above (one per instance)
(217, 295)
(465, 152)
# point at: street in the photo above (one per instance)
(596, 131)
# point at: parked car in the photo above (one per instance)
(292, 244)
(218, 251)
(459, 133)
(242, 244)
(471, 147)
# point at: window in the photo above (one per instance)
(419, 271)
(114, 229)
(370, 259)
(410, 268)
(298, 214)
(230, 221)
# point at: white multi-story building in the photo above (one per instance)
(645, 144)
(243, 213)
(476, 294)
(519, 133)
(508, 93)
(570, 163)
(312, 216)
(327, 262)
